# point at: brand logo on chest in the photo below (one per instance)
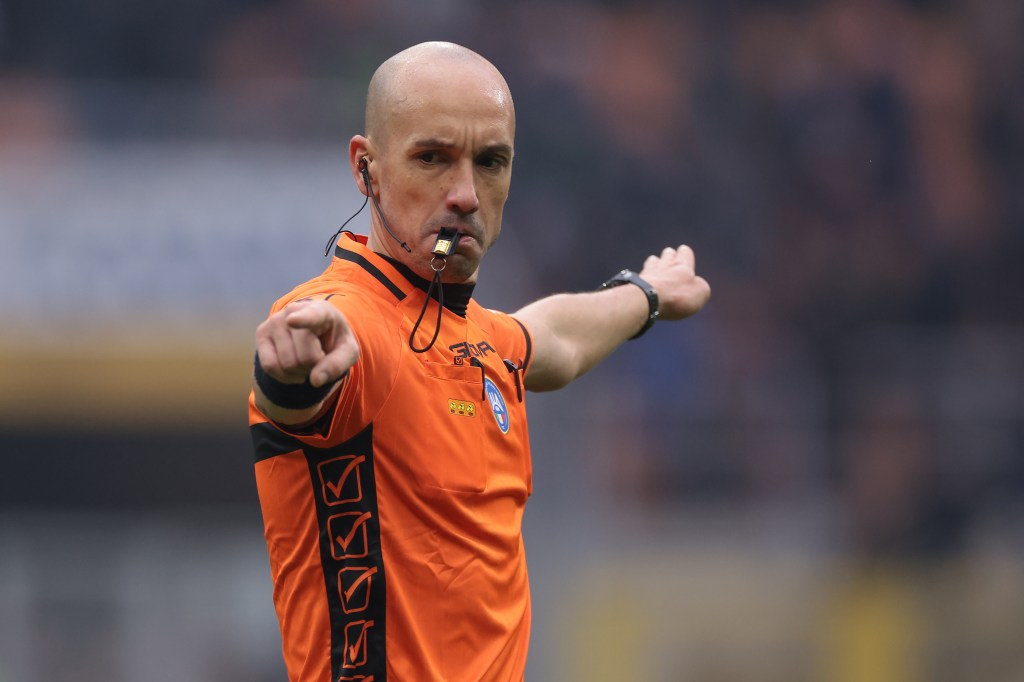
(465, 350)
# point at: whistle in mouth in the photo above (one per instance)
(447, 238)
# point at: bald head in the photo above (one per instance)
(428, 69)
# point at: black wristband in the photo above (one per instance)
(290, 396)
(630, 277)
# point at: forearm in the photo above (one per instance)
(574, 332)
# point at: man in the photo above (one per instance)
(390, 431)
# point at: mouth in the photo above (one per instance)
(449, 240)
(445, 243)
(464, 233)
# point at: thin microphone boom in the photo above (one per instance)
(369, 191)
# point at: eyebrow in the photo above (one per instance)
(435, 143)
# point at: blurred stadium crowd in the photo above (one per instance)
(819, 478)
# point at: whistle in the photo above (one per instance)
(447, 239)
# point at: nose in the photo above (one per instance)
(462, 198)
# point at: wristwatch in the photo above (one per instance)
(630, 277)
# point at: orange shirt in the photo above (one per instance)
(394, 524)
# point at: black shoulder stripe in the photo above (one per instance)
(370, 268)
(529, 342)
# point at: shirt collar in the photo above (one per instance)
(397, 277)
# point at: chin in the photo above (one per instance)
(460, 271)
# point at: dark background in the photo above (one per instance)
(818, 478)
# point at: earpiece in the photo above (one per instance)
(364, 168)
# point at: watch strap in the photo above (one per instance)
(630, 277)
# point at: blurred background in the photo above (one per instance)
(820, 478)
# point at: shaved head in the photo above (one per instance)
(427, 69)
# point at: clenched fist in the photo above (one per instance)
(681, 292)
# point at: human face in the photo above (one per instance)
(445, 161)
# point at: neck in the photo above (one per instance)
(456, 294)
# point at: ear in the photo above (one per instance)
(358, 154)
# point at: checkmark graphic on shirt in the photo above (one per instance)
(340, 479)
(354, 583)
(348, 534)
(355, 643)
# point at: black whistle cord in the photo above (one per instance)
(435, 282)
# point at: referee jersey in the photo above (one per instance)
(393, 524)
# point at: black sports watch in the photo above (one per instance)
(630, 277)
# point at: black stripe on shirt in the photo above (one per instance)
(344, 493)
(529, 342)
(269, 441)
(361, 261)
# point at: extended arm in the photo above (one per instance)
(573, 332)
(304, 350)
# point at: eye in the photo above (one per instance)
(429, 158)
(492, 162)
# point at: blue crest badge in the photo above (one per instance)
(498, 406)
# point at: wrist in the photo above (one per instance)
(653, 305)
(291, 396)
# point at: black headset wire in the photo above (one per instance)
(435, 282)
(334, 237)
(365, 171)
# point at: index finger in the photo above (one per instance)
(336, 363)
(316, 318)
